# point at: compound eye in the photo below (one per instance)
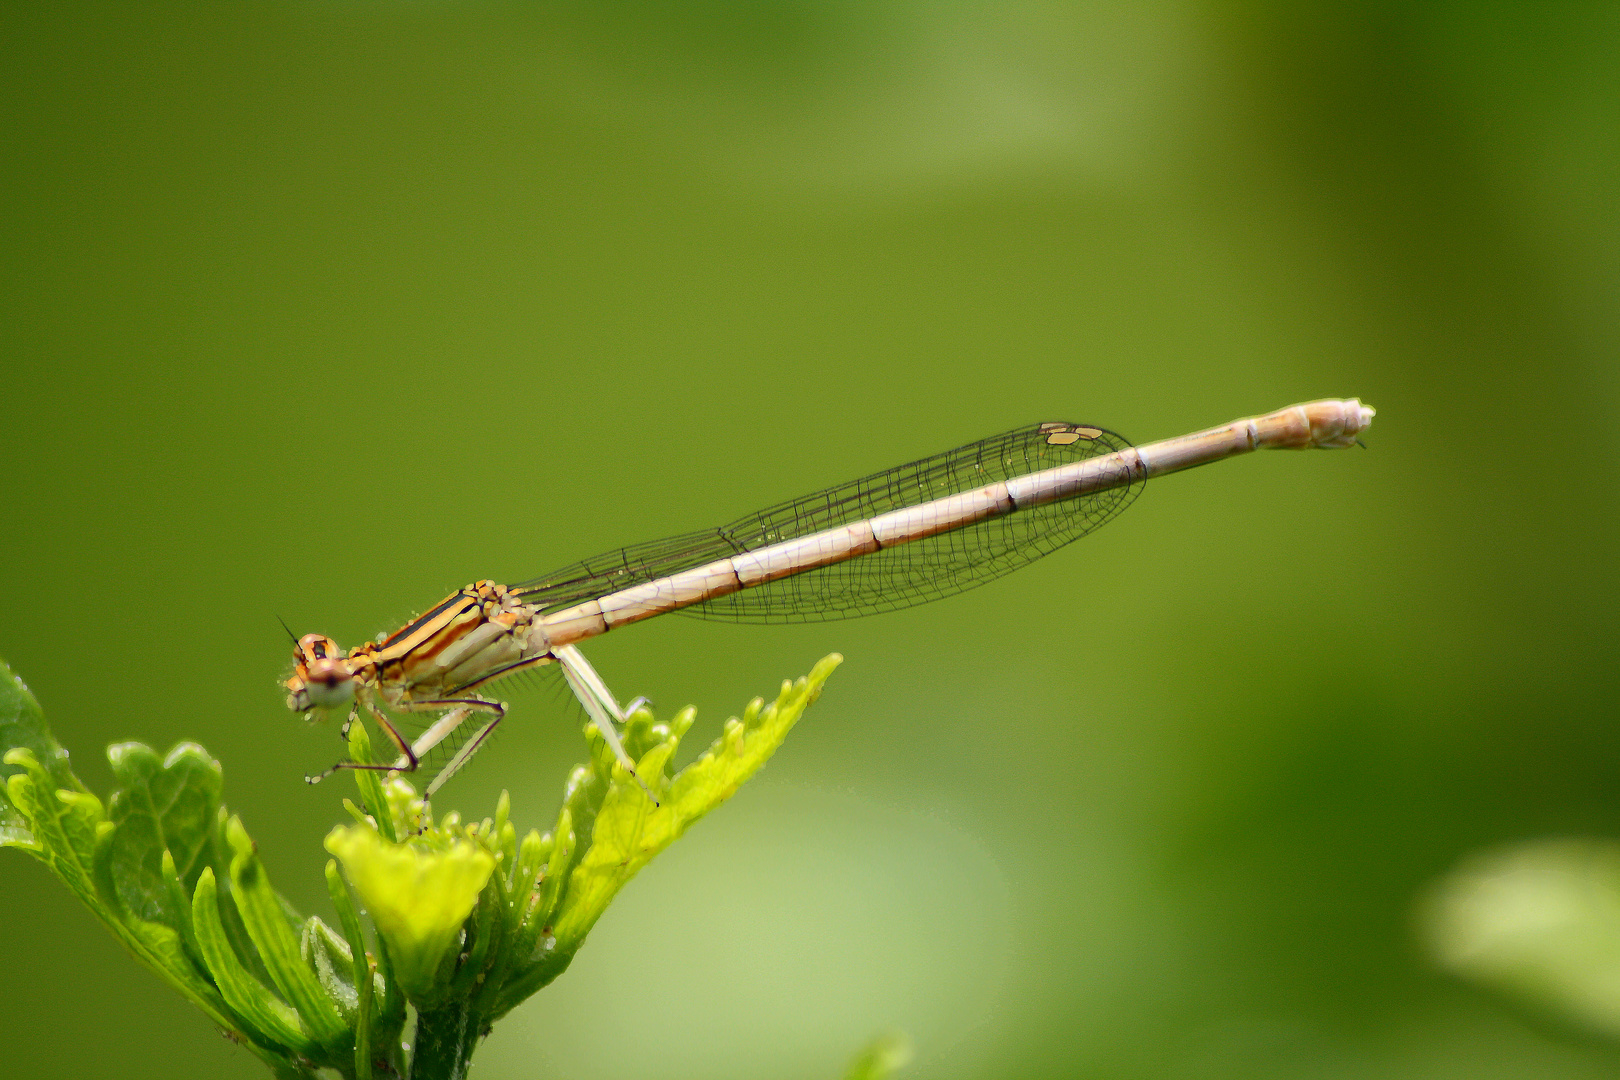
(316, 647)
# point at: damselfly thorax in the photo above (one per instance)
(927, 529)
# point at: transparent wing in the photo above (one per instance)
(888, 579)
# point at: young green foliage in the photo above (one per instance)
(467, 920)
(145, 866)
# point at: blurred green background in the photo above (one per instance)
(321, 310)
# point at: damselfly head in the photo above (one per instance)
(322, 676)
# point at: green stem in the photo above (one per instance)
(445, 1040)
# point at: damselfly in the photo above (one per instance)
(905, 536)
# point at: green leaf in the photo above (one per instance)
(61, 825)
(14, 831)
(620, 830)
(72, 838)
(363, 1027)
(418, 897)
(556, 873)
(165, 951)
(329, 957)
(387, 1015)
(374, 1022)
(162, 805)
(266, 921)
(524, 886)
(22, 726)
(235, 929)
(486, 929)
(368, 781)
(118, 867)
(348, 918)
(262, 1014)
(180, 902)
(629, 830)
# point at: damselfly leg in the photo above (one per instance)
(411, 752)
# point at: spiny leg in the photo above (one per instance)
(407, 761)
(440, 729)
(462, 756)
(588, 688)
(446, 725)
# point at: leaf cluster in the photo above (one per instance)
(466, 920)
